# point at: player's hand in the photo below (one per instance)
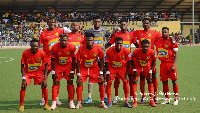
(126, 77)
(135, 74)
(71, 76)
(101, 77)
(54, 76)
(108, 77)
(79, 79)
(173, 67)
(81, 32)
(44, 83)
(172, 39)
(149, 75)
(24, 84)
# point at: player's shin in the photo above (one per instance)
(102, 92)
(116, 86)
(166, 90)
(22, 96)
(155, 85)
(150, 88)
(142, 86)
(175, 89)
(45, 91)
(108, 90)
(126, 89)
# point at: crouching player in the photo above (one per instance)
(63, 55)
(168, 53)
(118, 59)
(87, 66)
(31, 67)
(141, 62)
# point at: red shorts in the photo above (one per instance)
(144, 71)
(165, 71)
(119, 72)
(37, 76)
(130, 70)
(63, 71)
(92, 73)
(49, 64)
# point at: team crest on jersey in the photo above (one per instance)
(122, 57)
(38, 58)
(101, 33)
(148, 57)
(149, 35)
(95, 54)
(56, 33)
(68, 52)
(128, 37)
(79, 38)
(166, 45)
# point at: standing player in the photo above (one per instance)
(100, 38)
(168, 53)
(143, 62)
(63, 55)
(151, 36)
(118, 59)
(31, 62)
(128, 39)
(87, 66)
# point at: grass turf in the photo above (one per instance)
(188, 80)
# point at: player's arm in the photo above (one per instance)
(134, 40)
(73, 55)
(101, 70)
(111, 41)
(175, 58)
(127, 69)
(107, 45)
(44, 83)
(54, 76)
(24, 83)
(107, 59)
(133, 65)
(79, 79)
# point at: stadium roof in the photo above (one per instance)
(184, 7)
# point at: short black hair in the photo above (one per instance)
(96, 17)
(118, 39)
(123, 20)
(146, 19)
(87, 34)
(34, 40)
(51, 18)
(63, 35)
(165, 28)
(145, 41)
(75, 20)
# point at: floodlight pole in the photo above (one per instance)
(193, 22)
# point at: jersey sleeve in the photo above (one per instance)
(154, 56)
(127, 55)
(158, 36)
(112, 40)
(101, 54)
(175, 47)
(133, 57)
(107, 58)
(53, 51)
(83, 40)
(23, 60)
(44, 57)
(41, 39)
(73, 51)
(78, 55)
(133, 39)
(108, 34)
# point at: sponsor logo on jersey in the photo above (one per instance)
(143, 63)
(52, 42)
(77, 44)
(117, 64)
(162, 52)
(33, 67)
(126, 44)
(98, 41)
(63, 60)
(89, 63)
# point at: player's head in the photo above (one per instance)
(118, 43)
(145, 46)
(63, 40)
(97, 22)
(51, 22)
(75, 26)
(89, 39)
(123, 25)
(34, 46)
(146, 23)
(165, 32)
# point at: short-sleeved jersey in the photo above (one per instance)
(63, 56)
(100, 36)
(49, 38)
(128, 39)
(150, 35)
(88, 58)
(33, 62)
(116, 59)
(165, 49)
(141, 59)
(77, 39)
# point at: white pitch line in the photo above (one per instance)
(3, 57)
(0, 62)
(5, 61)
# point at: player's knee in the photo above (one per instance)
(100, 83)
(134, 81)
(109, 83)
(70, 82)
(174, 82)
(79, 84)
(142, 77)
(153, 75)
(125, 81)
(55, 83)
(149, 81)
(165, 82)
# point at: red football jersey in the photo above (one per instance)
(150, 35)
(33, 62)
(115, 59)
(87, 57)
(128, 39)
(141, 59)
(165, 49)
(63, 56)
(49, 38)
(77, 39)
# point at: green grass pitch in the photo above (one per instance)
(188, 80)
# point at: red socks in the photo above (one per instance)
(175, 89)
(70, 89)
(102, 92)
(54, 92)
(45, 92)
(131, 86)
(22, 96)
(134, 92)
(108, 90)
(126, 90)
(116, 85)
(79, 90)
(155, 85)
(166, 90)
(150, 88)
(142, 86)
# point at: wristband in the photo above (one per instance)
(101, 72)
(134, 69)
(107, 72)
(78, 74)
(72, 72)
(174, 42)
(150, 71)
(23, 78)
(53, 72)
